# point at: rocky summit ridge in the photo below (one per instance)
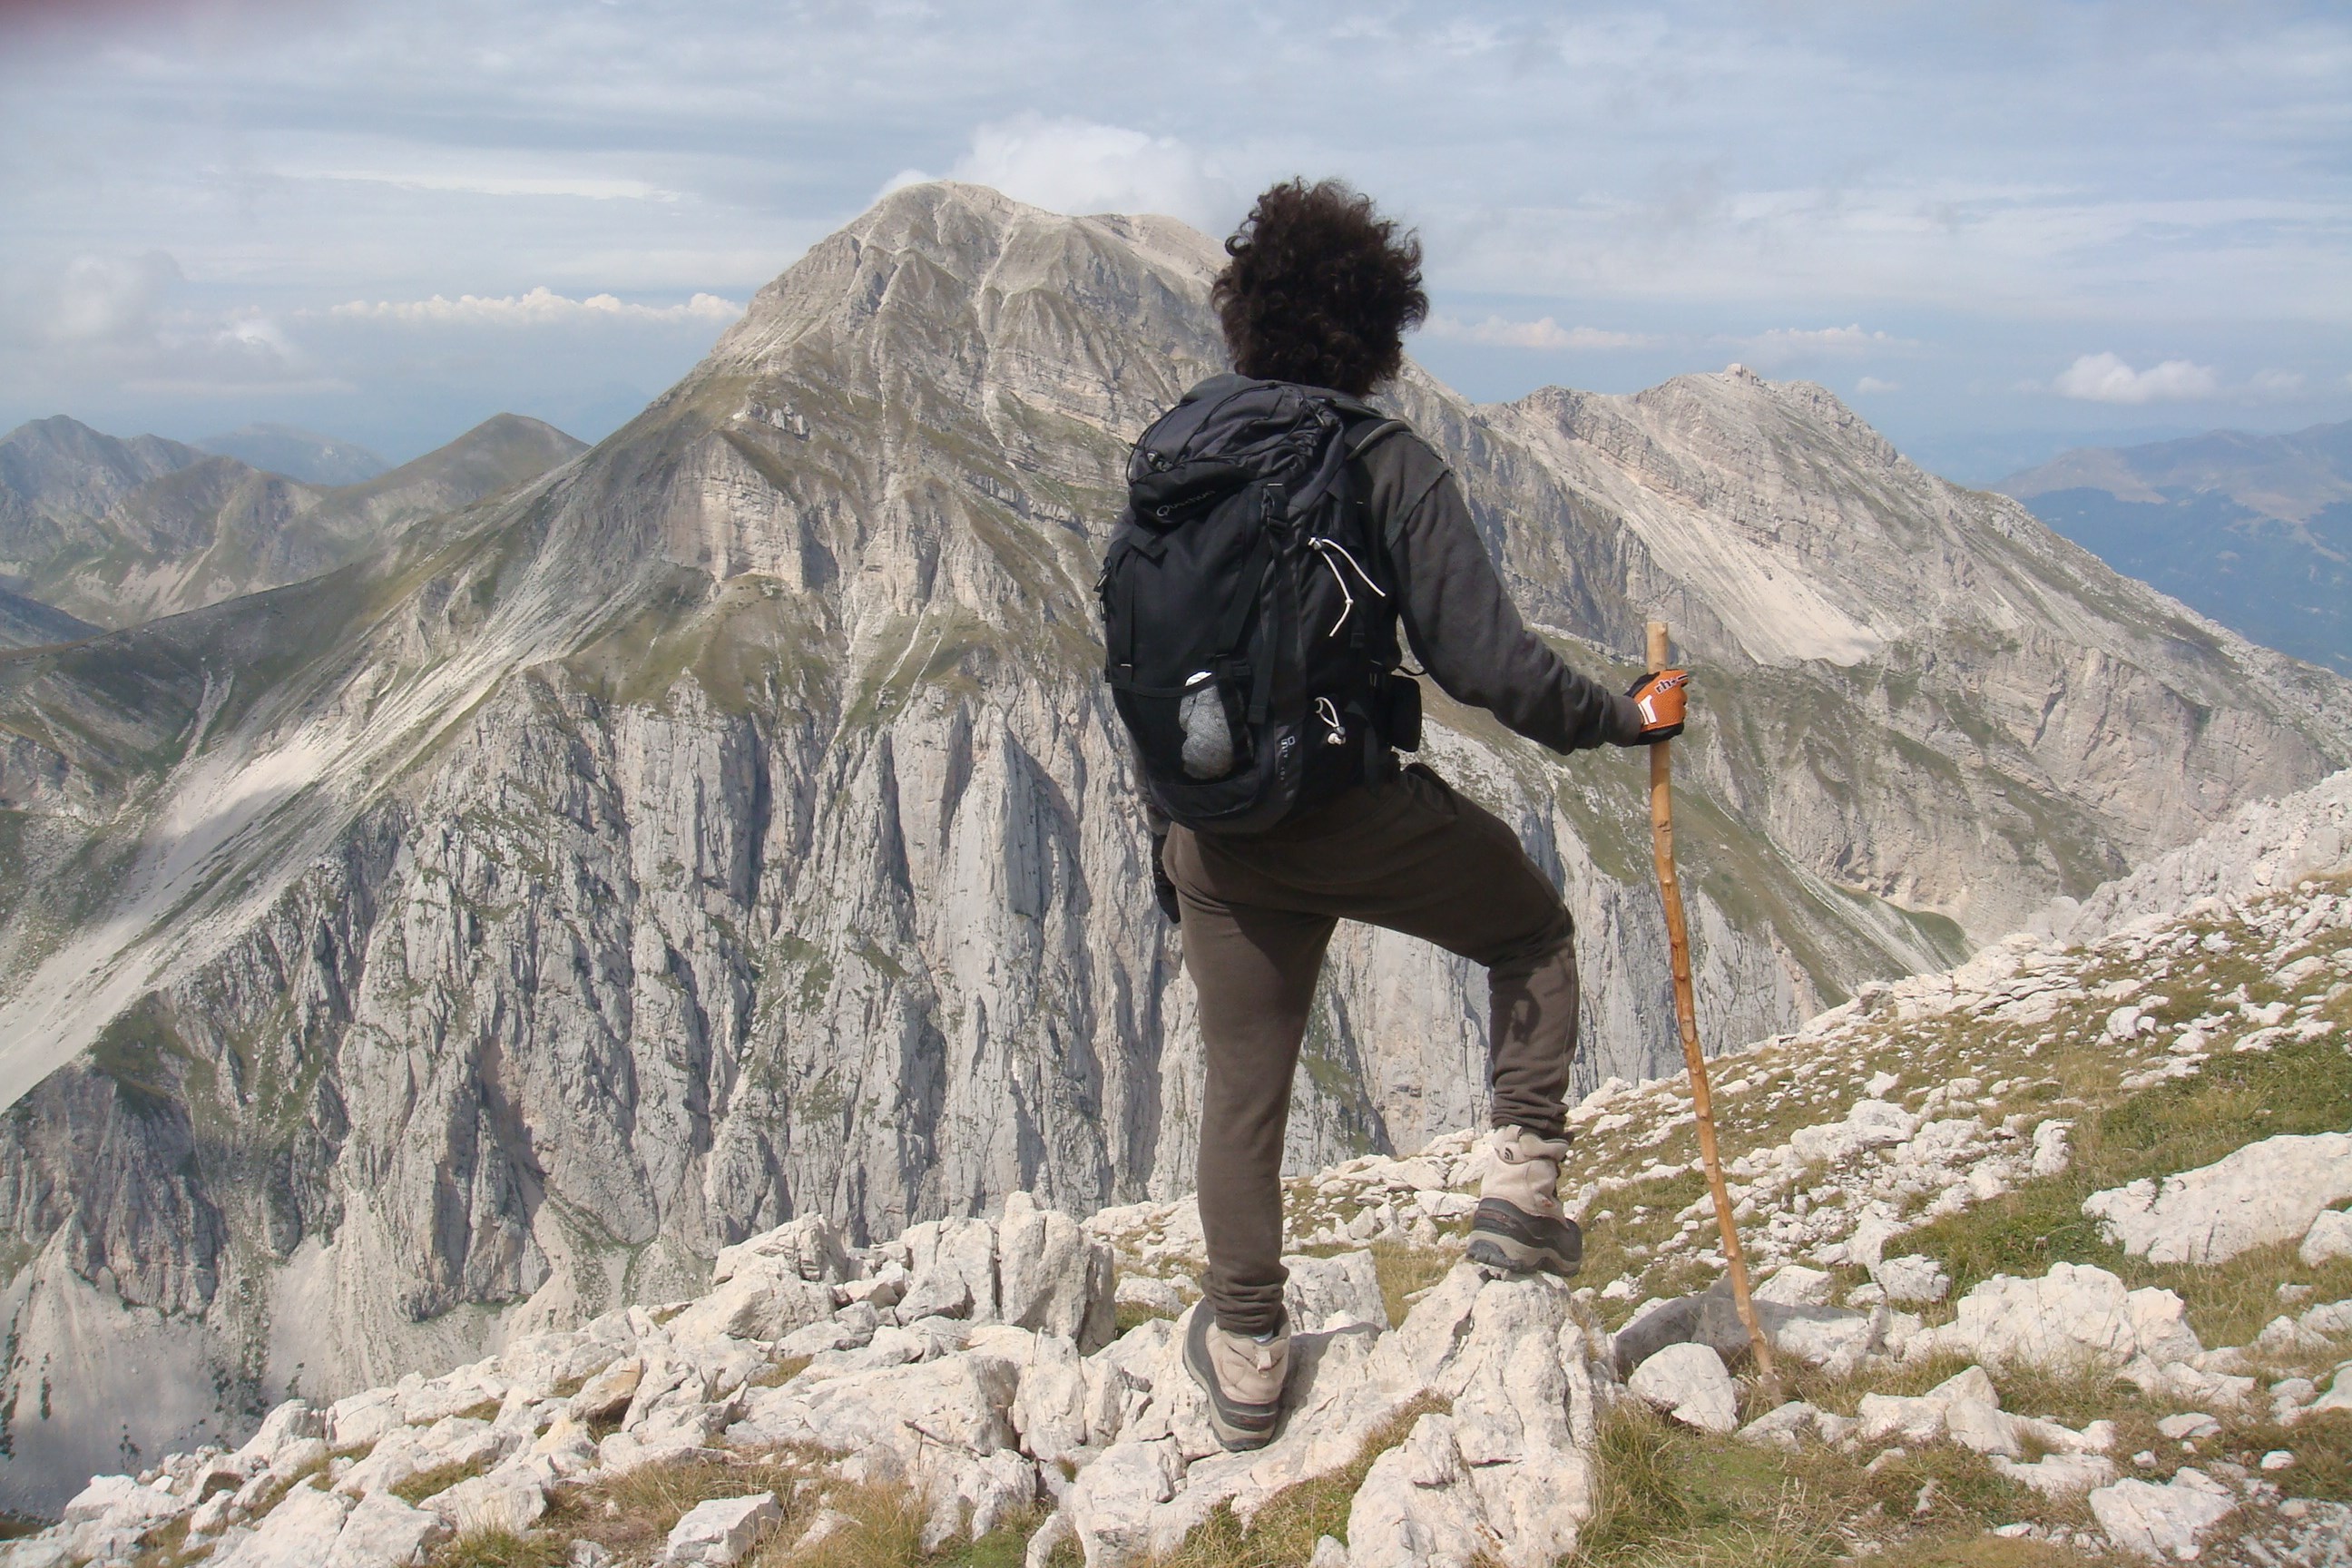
(2055, 1254)
(727, 826)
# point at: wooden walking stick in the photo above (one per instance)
(1661, 850)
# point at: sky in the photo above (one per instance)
(1997, 230)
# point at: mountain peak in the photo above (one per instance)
(967, 250)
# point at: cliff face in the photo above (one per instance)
(729, 826)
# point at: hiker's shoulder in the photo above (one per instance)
(1391, 445)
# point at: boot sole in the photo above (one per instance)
(1517, 1258)
(1503, 1238)
(1238, 1439)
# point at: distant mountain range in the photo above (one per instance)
(304, 455)
(2254, 531)
(116, 532)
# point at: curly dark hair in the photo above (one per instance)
(1321, 289)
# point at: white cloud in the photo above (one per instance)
(2275, 385)
(1079, 166)
(539, 308)
(1784, 343)
(1870, 383)
(104, 300)
(115, 320)
(1546, 333)
(2106, 378)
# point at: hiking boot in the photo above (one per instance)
(1519, 1226)
(1243, 1378)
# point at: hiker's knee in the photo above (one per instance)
(1547, 942)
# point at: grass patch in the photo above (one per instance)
(2321, 1446)
(1004, 1546)
(2077, 1395)
(1625, 1243)
(2174, 1126)
(435, 1481)
(168, 1548)
(496, 1548)
(885, 1530)
(1666, 1497)
(631, 1514)
(1135, 1314)
(1663, 1497)
(1284, 1532)
(1405, 1271)
(780, 1372)
(1984, 1551)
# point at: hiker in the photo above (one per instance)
(1279, 530)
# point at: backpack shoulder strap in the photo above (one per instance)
(1367, 434)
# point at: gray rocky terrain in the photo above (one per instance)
(28, 623)
(727, 827)
(2168, 1380)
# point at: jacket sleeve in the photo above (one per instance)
(1467, 633)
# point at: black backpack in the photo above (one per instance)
(1247, 607)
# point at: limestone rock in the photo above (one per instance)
(1784, 1425)
(720, 1533)
(809, 1248)
(2074, 1313)
(117, 1496)
(363, 1419)
(382, 1531)
(301, 1531)
(1323, 1291)
(289, 1423)
(1870, 1123)
(951, 1266)
(2264, 1194)
(755, 1303)
(2161, 1522)
(2339, 1395)
(610, 1391)
(2058, 1475)
(1152, 1295)
(1689, 1382)
(2329, 1239)
(1794, 1284)
(497, 1502)
(1111, 1503)
(1049, 1411)
(1831, 1338)
(1912, 1278)
(2050, 1153)
(1051, 1276)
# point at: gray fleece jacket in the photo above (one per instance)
(1460, 622)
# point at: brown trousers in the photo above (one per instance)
(1407, 852)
